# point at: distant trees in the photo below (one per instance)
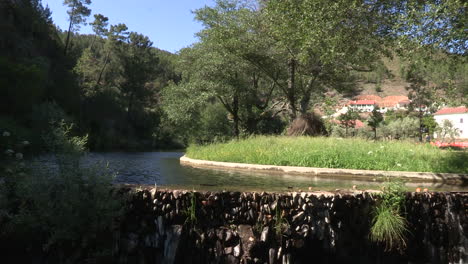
(77, 14)
(348, 120)
(375, 119)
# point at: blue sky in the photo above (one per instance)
(168, 23)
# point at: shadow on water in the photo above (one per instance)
(164, 170)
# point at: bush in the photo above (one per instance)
(63, 212)
(308, 124)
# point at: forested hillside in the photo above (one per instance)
(258, 66)
(107, 84)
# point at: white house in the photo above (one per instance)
(457, 115)
(362, 105)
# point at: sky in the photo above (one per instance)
(169, 24)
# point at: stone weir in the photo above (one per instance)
(169, 226)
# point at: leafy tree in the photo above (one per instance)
(321, 43)
(447, 130)
(420, 95)
(348, 120)
(375, 119)
(77, 13)
(138, 67)
(430, 125)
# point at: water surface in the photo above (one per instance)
(164, 170)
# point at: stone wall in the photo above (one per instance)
(232, 227)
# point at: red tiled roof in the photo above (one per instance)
(362, 102)
(358, 123)
(452, 110)
(395, 98)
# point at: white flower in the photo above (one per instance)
(6, 134)
(370, 152)
(19, 156)
(411, 150)
(382, 147)
(9, 151)
(25, 142)
(398, 164)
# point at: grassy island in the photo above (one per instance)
(334, 153)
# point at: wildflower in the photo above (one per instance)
(9, 152)
(398, 164)
(370, 152)
(411, 150)
(19, 156)
(25, 142)
(382, 147)
(418, 189)
(6, 134)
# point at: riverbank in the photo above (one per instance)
(335, 153)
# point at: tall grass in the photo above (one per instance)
(334, 153)
(389, 227)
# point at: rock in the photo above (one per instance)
(160, 224)
(298, 217)
(247, 238)
(264, 235)
(237, 250)
(229, 236)
(171, 244)
(228, 250)
(271, 256)
(230, 259)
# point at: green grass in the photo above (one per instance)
(389, 228)
(334, 153)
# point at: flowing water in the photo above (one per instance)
(164, 170)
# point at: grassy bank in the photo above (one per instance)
(334, 153)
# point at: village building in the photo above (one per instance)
(362, 105)
(458, 116)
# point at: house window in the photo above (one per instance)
(461, 120)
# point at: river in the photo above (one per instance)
(164, 170)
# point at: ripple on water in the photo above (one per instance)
(164, 169)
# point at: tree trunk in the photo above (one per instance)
(67, 41)
(420, 124)
(291, 89)
(235, 113)
(103, 68)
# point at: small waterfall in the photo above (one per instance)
(456, 231)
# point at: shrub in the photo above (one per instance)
(64, 212)
(388, 226)
(308, 124)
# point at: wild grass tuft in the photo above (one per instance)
(334, 153)
(389, 228)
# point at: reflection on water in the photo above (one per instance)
(163, 169)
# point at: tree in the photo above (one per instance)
(348, 120)
(321, 43)
(430, 125)
(138, 67)
(447, 130)
(420, 95)
(77, 14)
(375, 119)
(100, 25)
